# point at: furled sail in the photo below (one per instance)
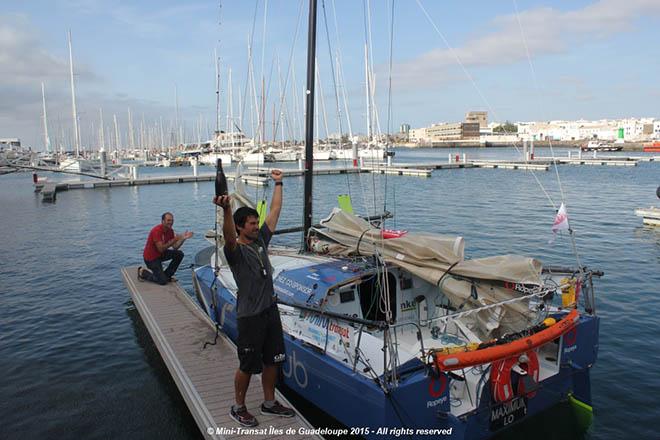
(440, 260)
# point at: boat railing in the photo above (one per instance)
(391, 374)
(383, 216)
(539, 294)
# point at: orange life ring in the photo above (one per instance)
(457, 361)
(500, 376)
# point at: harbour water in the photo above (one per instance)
(77, 362)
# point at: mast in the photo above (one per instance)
(101, 133)
(117, 139)
(131, 137)
(217, 98)
(76, 134)
(46, 138)
(368, 89)
(309, 121)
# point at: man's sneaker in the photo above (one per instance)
(277, 410)
(243, 417)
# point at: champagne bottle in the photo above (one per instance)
(220, 180)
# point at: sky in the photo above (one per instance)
(432, 61)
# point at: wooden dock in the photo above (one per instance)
(265, 171)
(399, 171)
(437, 165)
(205, 377)
(154, 180)
(512, 165)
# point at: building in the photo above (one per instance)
(418, 135)
(10, 144)
(453, 131)
(479, 117)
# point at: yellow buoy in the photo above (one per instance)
(549, 322)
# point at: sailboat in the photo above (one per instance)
(395, 332)
(75, 163)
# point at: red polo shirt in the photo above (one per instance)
(158, 233)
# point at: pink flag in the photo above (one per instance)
(561, 220)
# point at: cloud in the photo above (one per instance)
(546, 31)
(22, 60)
(25, 64)
(146, 21)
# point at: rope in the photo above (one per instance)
(476, 87)
(389, 98)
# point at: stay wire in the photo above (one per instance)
(571, 231)
(250, 41)
(289, 68)
(538, 89)
(477, 88)
(389, 99)
(334, 83)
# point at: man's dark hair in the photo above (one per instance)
(162, 217)
(241, 215)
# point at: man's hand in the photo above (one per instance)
(276, 175)
(187, 235)
(222, 201)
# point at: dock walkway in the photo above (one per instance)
(205, 377)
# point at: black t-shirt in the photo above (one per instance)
(253, 274)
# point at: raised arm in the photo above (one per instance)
(276, 203)
(228, 228)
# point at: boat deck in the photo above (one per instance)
(205, 377)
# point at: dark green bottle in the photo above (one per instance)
(220, 180)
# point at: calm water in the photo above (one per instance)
(77, 361)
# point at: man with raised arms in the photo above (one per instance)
(260, 338)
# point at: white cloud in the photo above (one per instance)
(25, 63)
(546, 31)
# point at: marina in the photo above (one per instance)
(141, 381)
(257, 176)
(446, 232)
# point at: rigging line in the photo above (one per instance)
(340, 75)
(476, 87)
(334, 83)
(263, 39)
(248, 74)
(538, 89)
(552, 152)
(367, 24)
(340, 69)
(389, 99)
(289, 68)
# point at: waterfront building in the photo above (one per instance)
(453, 131)
(10, 144)
(418, 135)
(479, 117)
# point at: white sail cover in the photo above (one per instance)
(435, 258)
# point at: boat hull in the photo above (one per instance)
(421, 401)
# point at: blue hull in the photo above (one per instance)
(421, 402)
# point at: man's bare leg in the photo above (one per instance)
(241, 384)
(268, 380)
